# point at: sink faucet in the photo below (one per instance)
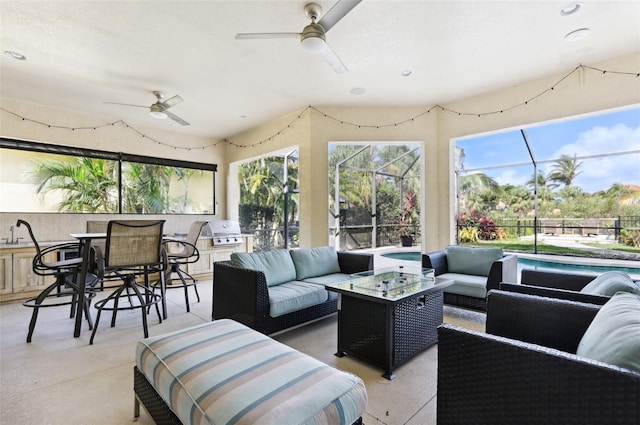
(13, 240)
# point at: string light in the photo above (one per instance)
(338, 120)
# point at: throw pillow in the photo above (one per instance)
(614, 335)
(609, 283)
(277, 265)
(312, 262)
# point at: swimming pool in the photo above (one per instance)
(530, 264)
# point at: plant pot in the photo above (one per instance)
(406, 240)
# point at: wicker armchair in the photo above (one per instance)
(561, 285)
(524, 370)
(242, 295)
(502, 270)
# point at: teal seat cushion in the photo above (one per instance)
(613, 336)
(328, 280)
(293, 296)
(312, 262)
(276, 265)
(466, 284)
(470, 260)
(609, 283)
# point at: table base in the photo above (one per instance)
(387, 334)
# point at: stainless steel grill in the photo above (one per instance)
(224, 232)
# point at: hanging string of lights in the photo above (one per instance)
(333, 118)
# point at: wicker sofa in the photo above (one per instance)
(252, 288)
(475, 271)
(525, 369)
(552, 284)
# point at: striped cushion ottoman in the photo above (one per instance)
(223, 372)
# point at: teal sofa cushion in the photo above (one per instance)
(312, 262)
(277, 265)
(470, 260)
(329, 279)
(609, 283)
(466, 284)
(293, 296)
(613, 336)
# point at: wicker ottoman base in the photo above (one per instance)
(151, 400)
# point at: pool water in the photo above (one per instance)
(530, 263)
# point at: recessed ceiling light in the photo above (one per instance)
(577, 34)
(15, 55)
(243, 116)
(570, 9)
(357, 91)
(406, 72)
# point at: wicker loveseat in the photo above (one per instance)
(525, 369)
(275, 290)
(563, 285)
(475, 271)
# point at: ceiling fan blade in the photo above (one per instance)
(176, 118)
(332, 59)
(264, 35)
(171, 101)
(127, 104)
(337, 12)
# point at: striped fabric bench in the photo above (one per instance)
(223, 372)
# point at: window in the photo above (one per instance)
(38, 177)
(574, 178)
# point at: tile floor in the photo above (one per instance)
(58, 379)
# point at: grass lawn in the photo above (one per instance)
(519, 246)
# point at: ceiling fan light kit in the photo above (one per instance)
(156, 111)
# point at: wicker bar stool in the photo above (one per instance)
(133, 248)
(189, 254)
(64, 291)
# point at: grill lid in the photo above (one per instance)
(221, 228)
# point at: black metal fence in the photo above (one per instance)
(360, 236)
(611, 227)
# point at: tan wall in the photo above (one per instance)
(115, 138)
(579, 94)
(311, 133)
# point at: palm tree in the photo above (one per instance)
(471, 186)
(565, 170)
(86, 184)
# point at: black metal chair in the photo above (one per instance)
(188, 254)
(133, 248)
(64, 290)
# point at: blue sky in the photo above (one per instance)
(598, 134)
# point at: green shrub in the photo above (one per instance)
(630, 238)
(468, 234)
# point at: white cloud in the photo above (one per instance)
(600, 173)
(511, 176)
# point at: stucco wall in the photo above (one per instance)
(116, 138)
(581, 93)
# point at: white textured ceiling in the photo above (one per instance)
(83, 53)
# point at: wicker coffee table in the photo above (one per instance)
(387, 316)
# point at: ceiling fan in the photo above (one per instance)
(312, 37)
(159, 109)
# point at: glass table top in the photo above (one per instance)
(389, 283)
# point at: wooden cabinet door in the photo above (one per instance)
(6, 273)
(24, 279)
